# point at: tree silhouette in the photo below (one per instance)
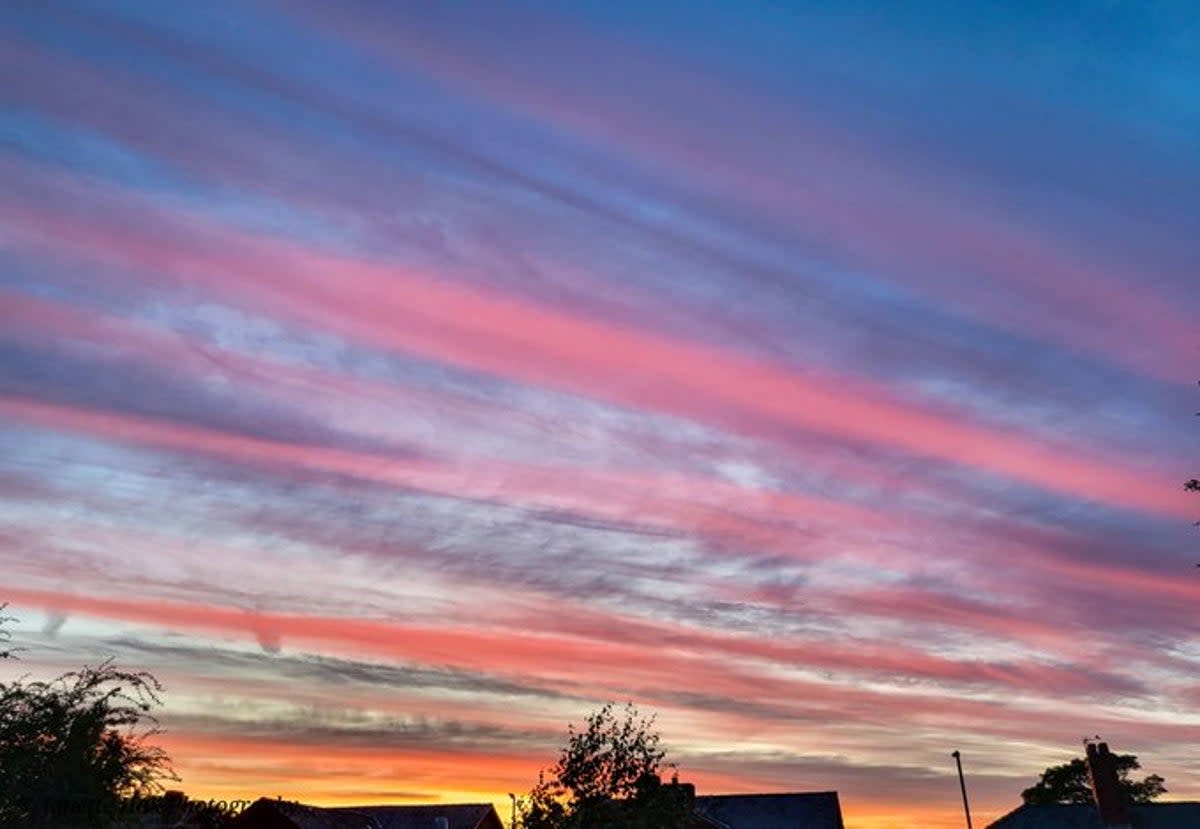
(1069, 783)
(1194, 484)
(74, 749)
(608, 776)
(6, 652)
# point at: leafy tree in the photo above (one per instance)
(608, 776)
(6, 652)
(174, 809)
(1069, 783)
(73, 750)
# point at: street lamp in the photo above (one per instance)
(962, 785)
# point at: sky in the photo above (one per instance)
(398, 382)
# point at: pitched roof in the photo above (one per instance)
(1182, 815)
(459, 815)
(266, 813)
(809, 810)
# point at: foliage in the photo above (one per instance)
(174, 809)
(1069, 783)
(607, 777)
(74, 749)
(6, 652)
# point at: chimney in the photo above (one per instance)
(686, 792)
(1106, 786)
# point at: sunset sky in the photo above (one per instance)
(400, 381)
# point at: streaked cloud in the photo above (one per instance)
(400, 385)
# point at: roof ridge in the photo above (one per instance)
(770, 794)
(431, 806)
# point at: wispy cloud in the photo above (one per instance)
(400, 385)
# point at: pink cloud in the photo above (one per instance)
(393, 308)
(908, 227)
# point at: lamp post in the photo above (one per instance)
(513, 822)
(962, 784)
